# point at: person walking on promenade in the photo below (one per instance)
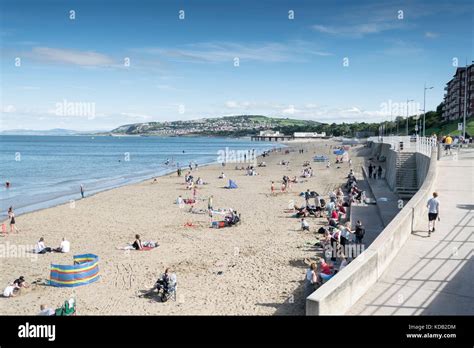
(447, 144)
(433, 212)
(371, 169)
(82, 191)
(379, 171)
(359, 232)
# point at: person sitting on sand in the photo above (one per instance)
(304, 225)
(167, 280)
(179, 200)
(312, 279)
(325, 267)
(137, 244)
(21, 283)
(10, 291)
(46, 311)
(65, 246)
(222, 176)
(41, 248)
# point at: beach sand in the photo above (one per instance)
(255, 268)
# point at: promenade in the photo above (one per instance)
(433, 275)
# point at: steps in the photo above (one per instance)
(406, 179)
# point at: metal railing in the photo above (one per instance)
(419, 144)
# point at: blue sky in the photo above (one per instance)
(185, 68)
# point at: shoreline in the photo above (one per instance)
(67, 198)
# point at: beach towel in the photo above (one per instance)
(320, 158)
(146, 248)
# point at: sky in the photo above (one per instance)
(96, 64)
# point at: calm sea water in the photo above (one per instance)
(48, 170)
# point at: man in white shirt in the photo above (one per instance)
(65, 246)
(433, 212)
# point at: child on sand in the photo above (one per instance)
(304, 225)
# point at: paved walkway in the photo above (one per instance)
(367, 213)
(387, 201)
(433, 275)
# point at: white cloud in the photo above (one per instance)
(166, 87)
(431, 35)
(356, 30)
(66, 56)
(308, 111)
(218, 52)
(8, 109)
(136, 116)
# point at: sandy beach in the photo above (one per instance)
(254, 268)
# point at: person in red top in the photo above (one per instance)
(334, 215)
(325, 268)
(341, 208)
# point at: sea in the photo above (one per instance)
(45, 171)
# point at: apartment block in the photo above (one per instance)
(453, 108)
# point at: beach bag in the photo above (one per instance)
(322, 230)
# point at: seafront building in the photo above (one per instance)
(453, 106)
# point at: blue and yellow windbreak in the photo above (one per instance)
(84, 271)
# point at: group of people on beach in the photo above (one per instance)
(336, 236)
(41, 248)
(13, 289)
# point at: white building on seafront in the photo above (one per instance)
(309, 135)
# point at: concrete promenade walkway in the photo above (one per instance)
(433, 275)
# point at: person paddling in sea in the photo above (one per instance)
(82, 191)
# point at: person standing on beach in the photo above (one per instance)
(273, 188)
(11, 216)
(359, 232)
(307, 195)
(82, 191)
(433, 212)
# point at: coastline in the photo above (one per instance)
(68, 196)
(256, 267)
